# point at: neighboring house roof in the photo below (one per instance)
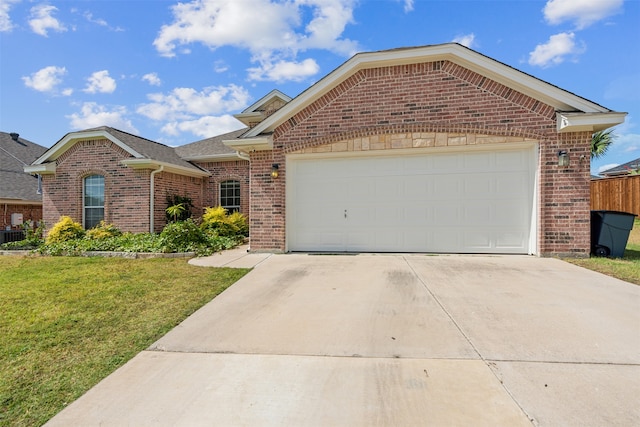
(574, 113)
(624, 169)
(16, 186)
(211, 149)
(145, 154)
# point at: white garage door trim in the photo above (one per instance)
(324, 214)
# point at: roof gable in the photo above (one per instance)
(263, 108)
(15, 153)
(145, 154)
(585, 114)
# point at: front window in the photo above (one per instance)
(230, 195)
(93, 200)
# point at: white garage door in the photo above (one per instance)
(456, 202)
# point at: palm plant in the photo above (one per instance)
(175, 211)
(600, 142)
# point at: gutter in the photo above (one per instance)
(243, 156)
(152, 196)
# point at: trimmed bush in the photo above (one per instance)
(103, 231)
(216, 221)
(65, 229)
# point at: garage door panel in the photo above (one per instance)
(478, 202)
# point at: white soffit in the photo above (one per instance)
(248, 145)
(592, 122)
(560, 99)
(42, 168)
(168, 167)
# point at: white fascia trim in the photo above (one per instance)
(41, 169)
(71, 138)
(275, 93)
(248, 145)
(510, 77)
(168, 167)
(229, 157)
(592, 122)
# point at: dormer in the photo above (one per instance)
(263, 108)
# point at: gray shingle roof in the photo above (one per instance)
(149, 149)
(622, 169)
(209, 147)
(14, 155)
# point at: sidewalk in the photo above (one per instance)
(239, 257)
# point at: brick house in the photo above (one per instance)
(427, 149)
(20, 196)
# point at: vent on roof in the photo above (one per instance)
(14, 136)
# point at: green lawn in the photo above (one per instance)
(626, 268)
(68, 322)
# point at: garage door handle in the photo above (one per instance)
(345, 213)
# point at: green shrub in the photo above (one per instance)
(103, 231)
(216, 221)
(240, 222)
(182, 236)
(65, 229)
(178, 214)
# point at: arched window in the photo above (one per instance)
(230, 195)
(93, 200)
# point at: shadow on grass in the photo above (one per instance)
(631, 255)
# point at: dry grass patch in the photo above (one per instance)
(626, 268)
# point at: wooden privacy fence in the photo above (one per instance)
(616, 194)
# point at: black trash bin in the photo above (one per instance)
(610, 232)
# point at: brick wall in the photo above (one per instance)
(223, 171)
(171, 184)
(126, 190)
(432, 98)
(29, 213)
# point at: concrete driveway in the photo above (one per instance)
(323, 340)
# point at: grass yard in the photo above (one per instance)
(68, 322)
(626, 268)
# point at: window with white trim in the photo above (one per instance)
(92, 200)
(230, 195)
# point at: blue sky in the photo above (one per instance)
(177, 72)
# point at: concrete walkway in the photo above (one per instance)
(313, 340)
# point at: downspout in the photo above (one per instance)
(152, 197)
(243, 156)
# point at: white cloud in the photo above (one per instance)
(42, 20)
(187, 103)
(203, 126)
(607, 167)
(555, 50)
(189, 110)
(99, 21)
(582, 13)
(220, 66)
(92, 115)
(276, 31)
(283, 71)
(408, 6)
(100, 82)
(628, 142)
(468, 40)
(45, 79)
(152, 79)
(5, 20)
